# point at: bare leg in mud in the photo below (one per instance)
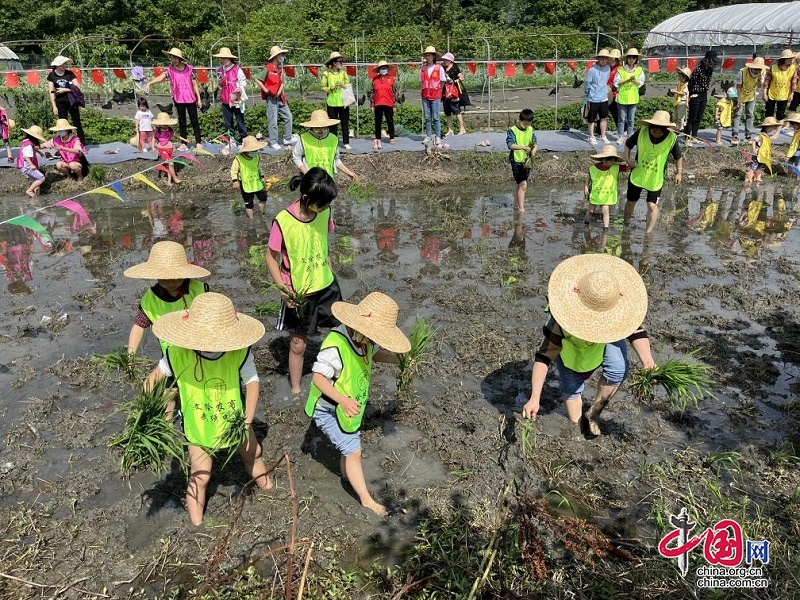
(297, 349)
(354, 474)
(574, 408)
(605, 391)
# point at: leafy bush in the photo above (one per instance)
(32, 107)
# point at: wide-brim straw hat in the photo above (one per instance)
(176, 52)
(381, 63)
(756, 63)
(787, 54)
(686, 71)
(430, 50)
(211, 324)
(164, 120)
(376, 318)
(615, 53)
(167, 260)
(770, 122)
(597, 298)
(632, 52)
(660, 118)
(604, 53)
(135, 142)
(61, 125)
(225, 52)
(334, 56)
(60, 60)
(36, 132)
(275, 51)
(448, 56)
(251, 144)
(608, 151)
(319, 118)
(793, 117)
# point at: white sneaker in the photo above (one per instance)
(604, 139)
(276, 146)
(294, 139)
(437, 140)
(593, 140)
(621, 140)
(348, 147)
(427, 140)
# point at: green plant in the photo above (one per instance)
(685, 383)
(98, 174)
(528, 437)
(361, 192)
(267, 308)
(120, 359)
(233, 436)
(421, 338)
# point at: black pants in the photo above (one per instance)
(191, 108)
(74, 112)
(771, 107)
(795, 102)
(228, 114)
(343, 114)
(380, 112)
(694, 113)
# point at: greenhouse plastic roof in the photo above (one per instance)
(7, 54)
(748, 25)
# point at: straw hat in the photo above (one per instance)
(60, 60)
(793, 117)
(598, 298)
(11, 123)
(686, 71)
(225, 52)
(768, 122)
(608, 151)
(319, 118)
(210, 325)
(135, 142)
(381, 63)
(615, 53)
(251, 144)
(61, 125)
(275, 51)
(176, 52)
(334, 56)
(604, 53)
(167, 260)
(448, 56)
(756, 63)
(660, 118)
(632, 52)
(164, 120)
(376, 318)
(36, 132)
(787, 54)
(430, 50)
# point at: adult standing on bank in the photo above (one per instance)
(185, 92)
(432, 77)
(747, 80)
(334, 80)
(231, 81)
(62, 84)
(780, 82)
(455, 97)
(272, 91)
(596, 93)
(699, 83)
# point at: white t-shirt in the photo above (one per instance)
(27, 151)
(145, 118)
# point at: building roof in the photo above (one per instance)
(7, 54)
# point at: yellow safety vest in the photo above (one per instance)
(581, 356)
(353, 381)
(747, 93)
(629, 92)
(211, 393)
(521, 138)
(307, 249)
(765, 152)
(320, 153)
(679, 96)
(604, 185)
(154, 307)
(248, 173)
(651, 160)
(329, 80)
(725, 112)
(795, 143)
(780, 85)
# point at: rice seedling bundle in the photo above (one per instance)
(120, 359)
(267, 308)
(685, 383)
(421, 337)
(235, 434)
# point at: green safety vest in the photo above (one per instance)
(330, 79)
(248, 173)
(581, 356)
(353, 381)
(521, 138)
(652, 160)
(211, 392)
(154, 307)
(307, 249)
(604, 185)
(629, 92)
(320, 153)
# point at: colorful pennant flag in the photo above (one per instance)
(98, 77)
(491, 69)
(32, 78)
(80, 218)
(141, 177)
(181, 162)
(202, 75)
(159, 71)
(653, 65)
(106, 192)
(12, 80)
(351, 70)
(692, 62)
(728, 63)
(117, 187)
(32, 224)
(590, 64)
(202, 151)
(672, 65)
(549, 67)
(190, 156)
(571, 64)
(313, 69)
(510, 69)
(472, 67)
(120, 73)
(162, 168)
(529, 68)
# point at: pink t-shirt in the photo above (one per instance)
(164, 136)
(276, 241)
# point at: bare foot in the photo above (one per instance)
(30, 193)
(594, 428)
(176, 180)
(462, 132)
(378, 509)
(268, 484)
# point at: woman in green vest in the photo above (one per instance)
(246, 176)
(628, 80)
(299, 263)
(597, 301)
(341, 378)
(334, 80)
(319, 147)
(601, 183)
(209, 357)
(655, 143)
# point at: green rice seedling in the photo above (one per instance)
(258, 253)
(421, 338)
(685, 383)
(527, 437)
(298, 299)
(149, 439)
(785, 453)
(361, 192)
(120, 359)
(267, 308)
(235, 434)
(236, 204)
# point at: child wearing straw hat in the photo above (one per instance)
(382, 99)
(246, 176)
(70, 149)
(761, 149)
(679, 97)
(341, 378)
(209, 356)
(164, 133)
(793, 151)
(655, 144)
(334, 80)
(185, 92)
(175, 288)
(601, 183)
(628, 81)
(28, 158)
(597, 302)
(231, 81)
(318, 147)
(780, 82)
(6, 125)
(299, 264)
(432, 77)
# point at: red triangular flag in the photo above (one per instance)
(413, 64)
(98, 77)
(491, 69)
(590, 64)
(672, 65)
(202, 75)
(692, 62)
(12, 80)
(78, 75)
(289, 71)
(158, 71)
(571, 64)
(32, 78)
(472, 67)
(351, 70)
(728, 63)
(510, 69)
(653, 65)
(161, 168)
(246, 71)
(549, 67)
(768, 62)
(120, 73)
(313, 69)
(529, 68)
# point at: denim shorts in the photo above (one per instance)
(615, 370)
(325, 418)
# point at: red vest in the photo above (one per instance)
(382, 91)
(432, 82)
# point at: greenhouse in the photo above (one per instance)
(8, 60)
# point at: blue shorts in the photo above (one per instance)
(615, 370)
(325, 418)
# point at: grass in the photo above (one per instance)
(361, 192)
(685, 383)
(421, 338)
(267, 308)
(528, 437)
(120, 359)
(98, 174)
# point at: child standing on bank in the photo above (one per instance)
(246, 175)
(6, 125)
(209, 356)
(601, 183)
(679, 96)
(144, 126)
(164, 133)
(28, 159)
(299, 262)
(521, 142)
(723, 112)
(761, 148)
(342, 373)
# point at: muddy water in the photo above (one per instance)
(721, 270)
